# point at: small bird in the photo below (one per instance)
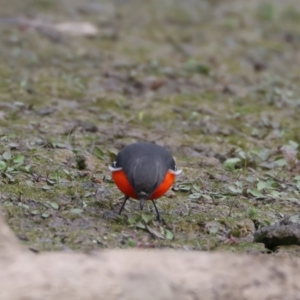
(144, 171)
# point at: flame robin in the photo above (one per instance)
(144, 171)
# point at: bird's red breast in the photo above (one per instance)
(164, 186)
(124, 186)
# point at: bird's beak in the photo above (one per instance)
(143, 197)
(142, 202)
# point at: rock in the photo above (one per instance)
(136, 274)
(276, 235)
(291, 251)
(87, 126)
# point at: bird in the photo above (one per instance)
(144, 171)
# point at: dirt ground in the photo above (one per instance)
(215, 82)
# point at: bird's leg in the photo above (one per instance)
(157, 212)
(123, 204)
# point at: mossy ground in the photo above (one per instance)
(209, 80)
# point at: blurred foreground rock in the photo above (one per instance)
(141, 274)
